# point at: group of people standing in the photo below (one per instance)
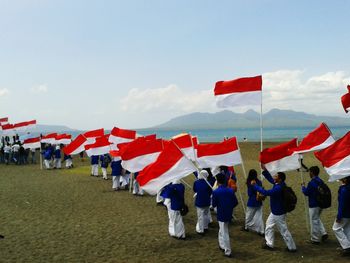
(53, 157)
(13, 152)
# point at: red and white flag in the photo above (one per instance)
(49, 138)
(336, 158)
(170, 165)
(226, 153)
(345, 100)
(4, 121)
(121, 136)
(238, 92)
(93, 134)
(8, 129)
(318, 139)
(31, 143)
(139, 153)
(99, 147)
(76, 146)
(63, 139)
(22, 126)
(280, 158)
(185, 142)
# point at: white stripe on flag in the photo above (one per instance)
(287, 163)
(227, 159)
(238, 99)
(339, 170)
(138, 163)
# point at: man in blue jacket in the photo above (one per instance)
(94, 165)
(318, 231)
(277, 216)
(341, 226)
(224, 199)
(176, 192)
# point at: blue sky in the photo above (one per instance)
(92, 64)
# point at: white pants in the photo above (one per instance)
(254, 219)
(58, 163)
(116, 181)
(124, 179)
(136, 188)
(47, 164)
(167, 203)
(104, 173)
(224, 237)
(94, 169)
(69, 163)
(203, 219)
(317, 228)
(159, 198)
(176, 225)
(342, 232)
(280, 222)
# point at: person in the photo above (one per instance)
(253, 217)
(15, 152)
(105, 160)
(57, 158)
(202, 202)
(94, 165)
(136, 189)
(47, 157)
(116, 166)
(277, 216)
(224, 200)
(341, 226)
(176, 193)
(32, 152)
(69, 161)
(318, 231)
(7, 151)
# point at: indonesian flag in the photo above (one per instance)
(120, 136)
(93, 134)
(115, 154)
(63, 139)
(345, 100)
(139, 153)
(4, 121)
(336, 158)
(170, 165)
(238, 92)
(32, 143)
(22, 126)
(8, 129)
(99, 147)
(280, 158)
(318, 139)
(185, 143)
(49, 138)
(76, 146)
(215, 154)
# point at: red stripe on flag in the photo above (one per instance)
(100, 142)
(238, 85)
(94, 133)
(224, 147)
(31, 140)
(278, 152)
(345, 100)
(75, 144)
(127, 134)
(139, 147)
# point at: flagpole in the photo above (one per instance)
(41, 158)
(261, 135)
(245, 177)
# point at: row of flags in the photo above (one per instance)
(10, 129)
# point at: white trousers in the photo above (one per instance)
(47, 164)
(124, 179)
(167, 203)
(342, 232)
(254, 219)
(136, 188)
(280, 223)
(317, 228)
(58, 163)
(159, 198)
(94, 169)
(116, 181)
(69, 163)
(104, 173)
(224, 237)
(203, 219)
(176, 225)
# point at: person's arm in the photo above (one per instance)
(268, 176)
(214, 202)
(341, 203)
(306, 190)
(270, 192)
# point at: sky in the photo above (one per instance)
(135, 64)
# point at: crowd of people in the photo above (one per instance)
(13, 152)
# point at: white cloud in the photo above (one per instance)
(39, 89)
(4, 92)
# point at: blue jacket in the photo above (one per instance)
(343, 202)
(66, 157)
(252, 202)
(165, 191)
(116, 167)
(275, 193)
(224, 199)
(48, 154)
(94, 159)
(57, 154)
(311, 191)
(177, 196)
(203, 191)
(105, 160)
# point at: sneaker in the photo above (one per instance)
(324, 237)
(228, 255)
(267, 247)
(261, 234)
(200, 233)
(345, 252)
(291, 250)
(244, 229)
(315, 242)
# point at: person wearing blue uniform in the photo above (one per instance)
(224, 199)
(203, 193)
(318, 231)
(47, 157)
(253, 217)
(176, 193)
(105, 159)
(57, 157)
(117, 168)
(341, 226)
(136, 189)
(277, 216)
(94, 165)
(69, 161)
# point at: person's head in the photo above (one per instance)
(203, 174)
(220, 178)
(57, 147)
(314, 171)
(252, 175)
(345, 180)
(280, 177)
(223, 168)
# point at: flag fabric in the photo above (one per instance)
(93, 134)
(238, 92)
(4, 121)
(63, 139)
(280, 158)
(226, 153)
(76, 146)
(345, 100)
(49, 138)
(185, 143)
(99, 147)
(8, 129)
(318, 139)
(22, 126)
(121, 136)
(170, 165)
(336, 158)
(31, 143)
(139, 153)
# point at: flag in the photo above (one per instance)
(4, 121)
(139, 153)
(8, 129)
(280, 158)
(216, 154)
(238, 92)
(120, 136)
(345, 100)
(170, 165)
(185, 142)
(31, 143)
(318, 139)
(49, 138)
(99, 147)
(63, 139)
(336, 158)
(22, 126)
(93, 134)
(76, 146)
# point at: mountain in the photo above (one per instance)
(41, 128)
(275, 118)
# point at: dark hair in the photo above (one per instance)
(281, 176)
(252, 175)
(210, 174)
(224, 168)
(314, 170)
(220, 178)
(347, 180)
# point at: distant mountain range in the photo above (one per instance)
(275, 118)
(44, 129)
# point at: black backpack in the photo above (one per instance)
(323, 195)
(289, 199)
